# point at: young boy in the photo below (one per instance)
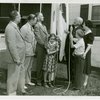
(79, 48)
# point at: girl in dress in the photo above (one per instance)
(50, 63)
(79, 48)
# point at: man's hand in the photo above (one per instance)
(75, 40)
(67, 32)
(18, 62)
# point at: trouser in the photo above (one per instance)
(71, 69)
(15, 79)
(28, 68)
(41, 53)
(79, 66)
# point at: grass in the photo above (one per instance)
(93, 88)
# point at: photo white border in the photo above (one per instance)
(50, 1)
(51, 97)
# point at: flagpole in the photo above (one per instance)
(67, 21)
(19, 7)
(64, 91)
(40, 7)
(61, 8)
(67, 15)
(53, 21)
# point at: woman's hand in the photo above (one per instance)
(84, 56)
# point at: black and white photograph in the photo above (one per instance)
(49, 49)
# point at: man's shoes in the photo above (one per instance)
(24, 93)
(46, 85)
(75, 89)
(39, 84)
(50, 85)
(25, 87)
(12, 94)
(30, 83)
(85, 85)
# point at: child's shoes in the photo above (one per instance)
(50, 85)
(46, 85)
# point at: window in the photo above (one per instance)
(96, 12)
(5, 9)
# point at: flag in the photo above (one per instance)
(61, 28)
(53, 18)
(58, 26)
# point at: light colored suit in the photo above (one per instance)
(30, 43)
(41, 35)
(15, 52)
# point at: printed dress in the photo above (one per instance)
(50, 63)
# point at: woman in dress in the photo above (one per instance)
(88, 39)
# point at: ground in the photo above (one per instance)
(93, 88)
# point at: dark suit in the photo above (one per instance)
(41, 36)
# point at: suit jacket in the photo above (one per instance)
(15, 44)
(29, 38)
(41, 33)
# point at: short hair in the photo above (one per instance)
(89, 24)
(80, 20)
(38, 13)
(31, 16)
(13, 14)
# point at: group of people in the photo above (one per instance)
(32, 39)
(79, 40)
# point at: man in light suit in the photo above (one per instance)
(41, 36)
(27, 32)
(15, 54)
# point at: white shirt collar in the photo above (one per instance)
(30, 27)
(87, 32)
(29, 24)
(14, 23)
(40, 23)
